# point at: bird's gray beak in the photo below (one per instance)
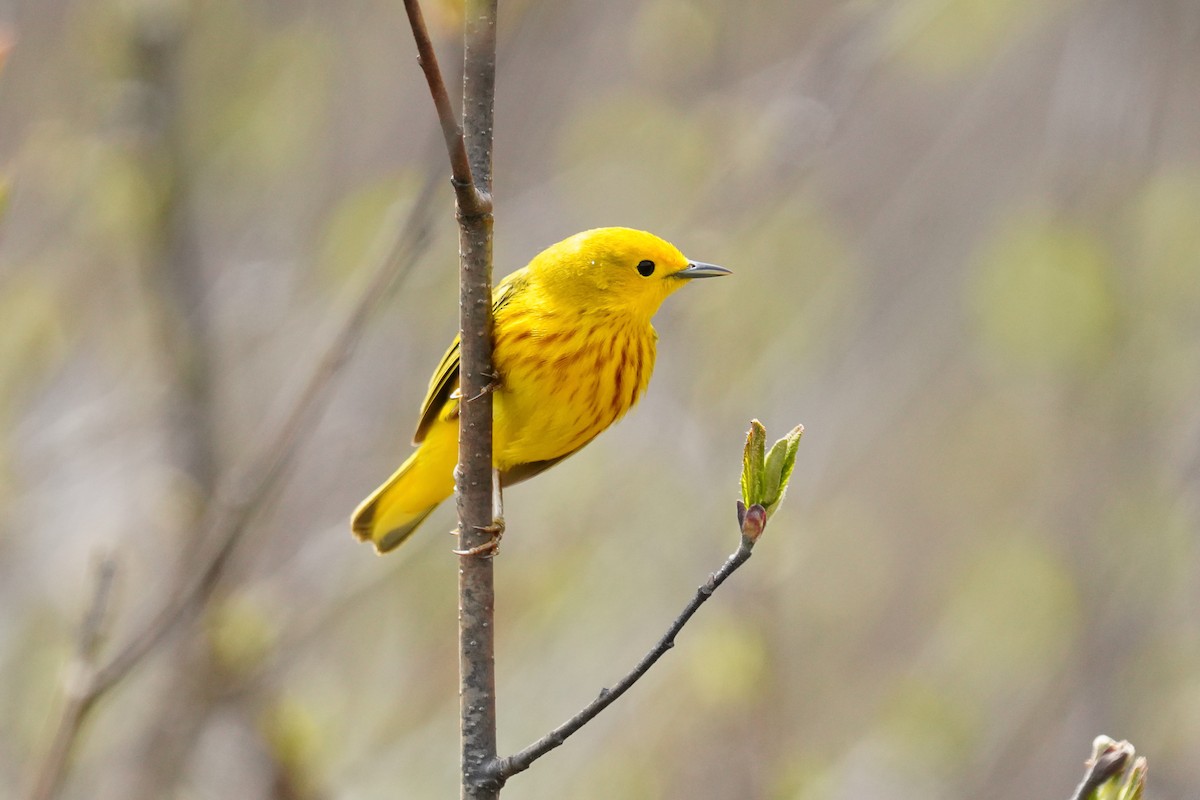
(698, 269)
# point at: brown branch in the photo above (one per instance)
(504, 768)
(471, 198)
(476, 591)
(470, 152)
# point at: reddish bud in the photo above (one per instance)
(753, 520)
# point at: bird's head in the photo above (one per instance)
(616, 269)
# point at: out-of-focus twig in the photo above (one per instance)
(236, 501)
(225, 520)
(173, 269)
(77, 699)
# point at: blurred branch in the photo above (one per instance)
(77, 700)
(226, 518)
(174, 269)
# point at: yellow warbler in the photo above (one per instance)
(573, 351)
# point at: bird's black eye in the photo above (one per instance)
(646, 269)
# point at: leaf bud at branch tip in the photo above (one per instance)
(1113, 772)
(765, 475)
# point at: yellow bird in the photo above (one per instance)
(573, 351)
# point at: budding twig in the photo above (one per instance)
(1109, 760)
(753, 521)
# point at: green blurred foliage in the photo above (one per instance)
(1165, 533)
(1169, 716)
(33, 339)
(296, 740)
(240, 634)
(729, 670)
(1010, 615)
(930, 730)
(1044, 296)
(1162, 224)
(840, 542)
(31, 666)
(606, 145)
(798, 269)
(359, 221)
(662, 30)
(946, 38)
(272, 119)
(261, 90)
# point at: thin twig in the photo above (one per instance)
(77, 699)
(505, 768)
(472, 199)
(226, 519)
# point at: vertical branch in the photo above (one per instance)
(182, 704)
(477, 687)
(479, 88)
(471, 175)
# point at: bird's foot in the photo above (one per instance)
(492, 385)
(491, 547)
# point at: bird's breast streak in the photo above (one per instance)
(561, 388)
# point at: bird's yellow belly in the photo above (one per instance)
(557, 393)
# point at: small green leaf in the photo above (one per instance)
(765, 475)
(772, 472)
(1135, 781)
(781, 461)
(752, 463)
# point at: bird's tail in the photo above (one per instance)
(395, 509)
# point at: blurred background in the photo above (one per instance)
(966, 244)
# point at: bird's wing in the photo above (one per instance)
(441, 386)
(444, 383)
